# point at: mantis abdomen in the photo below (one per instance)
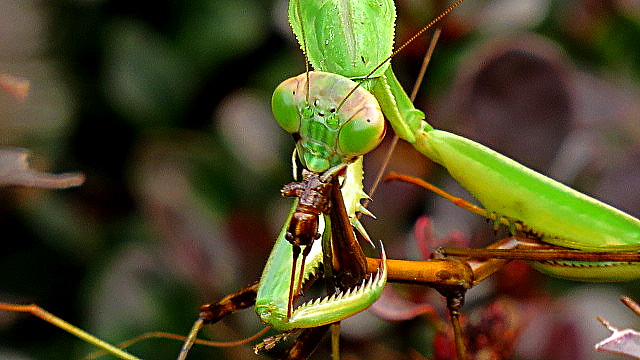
(552, 211)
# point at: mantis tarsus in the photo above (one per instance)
(428, 150)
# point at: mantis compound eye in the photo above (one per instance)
(285, 105)
(363, 132)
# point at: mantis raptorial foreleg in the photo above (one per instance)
(273, 312)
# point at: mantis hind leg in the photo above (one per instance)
(565, 263)
(458, 201)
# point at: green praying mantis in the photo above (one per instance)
(526, 201)
(529, 203)
(310, 107)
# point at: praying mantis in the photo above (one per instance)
(410, 132)
(526, 201)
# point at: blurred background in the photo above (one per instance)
(166, 110)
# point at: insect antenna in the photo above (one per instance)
(414, 93)
(189, 340)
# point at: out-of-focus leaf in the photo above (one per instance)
(260, 153)
(499, 15)
(148, 80)
(14, 86)
(215, 31)
(428, 242)
(391, 306)
(624, 342)
(14, 170)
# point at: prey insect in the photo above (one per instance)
(313, 200)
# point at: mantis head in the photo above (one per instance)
(332, 123)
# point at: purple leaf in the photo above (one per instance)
(623, 342)
(428, 242)
(391, 306)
